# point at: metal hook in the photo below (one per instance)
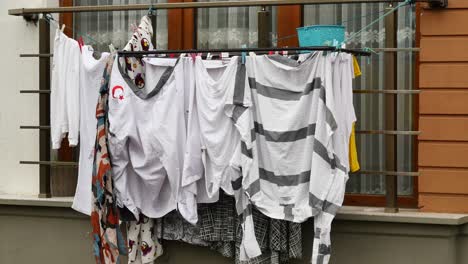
(151, 10)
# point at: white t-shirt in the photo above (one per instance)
(65, 92)
(215, 81)
(90, 81)
(147, 138)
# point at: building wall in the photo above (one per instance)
(32, 234)
(19, 109)
(443, 108)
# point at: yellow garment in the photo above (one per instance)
(357, 70)
(353, 156)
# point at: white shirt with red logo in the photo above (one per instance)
(147, 139)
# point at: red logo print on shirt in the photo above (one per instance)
(118, 92)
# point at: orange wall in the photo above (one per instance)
(443, 108)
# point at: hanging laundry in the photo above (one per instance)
(90, 80)
(343, 74)
(108, 241)
(219, 137)
(65, 91)
(147, 139)
(219, 229)
(143, 246)
(353, 154)
(140, 41)
(272, 131)
(288, 162)
(106, 232)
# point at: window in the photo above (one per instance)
(370, 108)
(103, 28)
(233, 27)
(229, 27)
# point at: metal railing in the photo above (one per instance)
(264, 26)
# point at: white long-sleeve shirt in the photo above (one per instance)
(65, 91)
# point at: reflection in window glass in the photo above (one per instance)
(100, 29)
(370, 108)
(229, 27)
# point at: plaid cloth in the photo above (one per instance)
(219, 229)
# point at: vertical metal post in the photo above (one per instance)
(391, 71)
(264, 28)
(153, 24)
(44, 108)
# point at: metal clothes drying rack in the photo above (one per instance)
(263, 42)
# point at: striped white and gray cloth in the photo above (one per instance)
(285, 114)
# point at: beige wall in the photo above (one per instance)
(18, 109)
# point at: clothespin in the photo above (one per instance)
(171, 55)
(112, 48)
(80, 42)
(271, 52)
(63, 27)
(371, 50)
(243, 54)
(224, 55)
(194, 56)
(209, 56)
(284, 52)
(182, 55)
(151, 11)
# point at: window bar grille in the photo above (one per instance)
(391, 120)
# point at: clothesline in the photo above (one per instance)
(357, 52)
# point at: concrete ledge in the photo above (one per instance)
(377, 214)
(30, 200)
(351, 213)
(30, 231)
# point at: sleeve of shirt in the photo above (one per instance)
(56, 94)
(193, 167)
(327, 171)
(237, 108)
(335, 196)
(73, 93)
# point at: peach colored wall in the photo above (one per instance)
(443, 108)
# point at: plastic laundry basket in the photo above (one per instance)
(320, 35)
